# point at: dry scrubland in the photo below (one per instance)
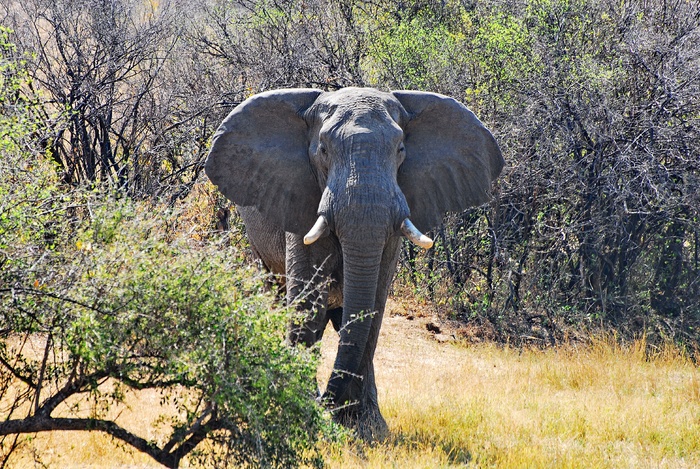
(457, 405)
(593, 101)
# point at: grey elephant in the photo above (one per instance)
(327, 183)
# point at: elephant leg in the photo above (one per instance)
(365, 416)
(308, 325)
(307, 290)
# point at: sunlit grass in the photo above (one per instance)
(455, 405)
(94, 450)
(486, 406)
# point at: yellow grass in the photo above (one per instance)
(456, 405)
(451, 405)
(96, 450)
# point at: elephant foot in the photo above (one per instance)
(367, 422)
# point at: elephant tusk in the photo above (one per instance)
(319, 229)
(414, 235)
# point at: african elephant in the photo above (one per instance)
(326, 184)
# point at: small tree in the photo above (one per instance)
(101, 297)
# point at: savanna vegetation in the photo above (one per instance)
(122, 271)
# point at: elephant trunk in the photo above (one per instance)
(364, 206)
(361, 265)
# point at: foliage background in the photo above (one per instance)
(594, 103)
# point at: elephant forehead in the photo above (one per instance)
(359, 104)
(356, 121)
(357, 131)
(353, 94)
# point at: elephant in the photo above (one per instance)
(327, 183)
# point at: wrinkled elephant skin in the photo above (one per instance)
(327, 183)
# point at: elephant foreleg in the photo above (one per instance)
(307, 290)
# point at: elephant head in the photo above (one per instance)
(359, 164)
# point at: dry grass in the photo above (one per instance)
(452, 405)
(96, 450)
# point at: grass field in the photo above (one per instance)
(452, 405)
(457, 405)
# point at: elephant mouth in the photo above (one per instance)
(320, 229)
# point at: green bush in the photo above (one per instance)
(113, 293)
(412, 54)
(101, 296)
(595, 223)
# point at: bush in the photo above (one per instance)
(120, 301)
(596, 217)
(101, 296)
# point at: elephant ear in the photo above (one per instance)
(259, 157)
(451, 158)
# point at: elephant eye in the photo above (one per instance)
(322, 157)
(401, 154)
